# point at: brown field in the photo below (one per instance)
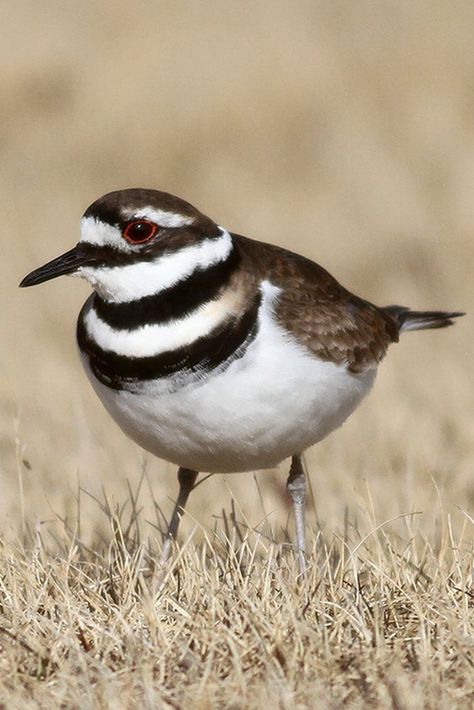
(344, 130)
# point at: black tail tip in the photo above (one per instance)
(422, 320)
(429, 319)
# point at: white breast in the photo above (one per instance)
(273, 402)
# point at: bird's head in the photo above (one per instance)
(137, 241)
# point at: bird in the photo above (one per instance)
(217, 352)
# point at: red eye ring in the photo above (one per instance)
(139, 231)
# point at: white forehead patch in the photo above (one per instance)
(94, 231)
(161, 217)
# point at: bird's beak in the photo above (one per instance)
(67, 263)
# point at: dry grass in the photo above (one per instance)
(344, 130)
(379, 621)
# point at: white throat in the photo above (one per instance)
(144, 278)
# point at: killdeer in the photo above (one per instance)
(216, 352)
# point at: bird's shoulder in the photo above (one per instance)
(318, 311)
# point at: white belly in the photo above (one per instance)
(275, 401)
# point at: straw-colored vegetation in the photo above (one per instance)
(345, 131)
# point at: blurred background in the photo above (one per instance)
(342, 130)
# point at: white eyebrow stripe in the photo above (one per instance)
(132, 281)
(150, 340)
(160, 217)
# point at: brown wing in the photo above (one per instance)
(330, 321)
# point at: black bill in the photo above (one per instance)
(65, 264)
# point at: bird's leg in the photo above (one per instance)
(186, 480)
(296, 487)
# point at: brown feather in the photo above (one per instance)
(331, 322)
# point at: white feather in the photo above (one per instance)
(133, 281)
(150, 340)
(273, 402)
(161, 217)
(94, 231)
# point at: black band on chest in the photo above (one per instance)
(225, 343)
(201, 286)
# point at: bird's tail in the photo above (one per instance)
(421, 320)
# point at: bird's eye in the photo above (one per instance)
(139, 231)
